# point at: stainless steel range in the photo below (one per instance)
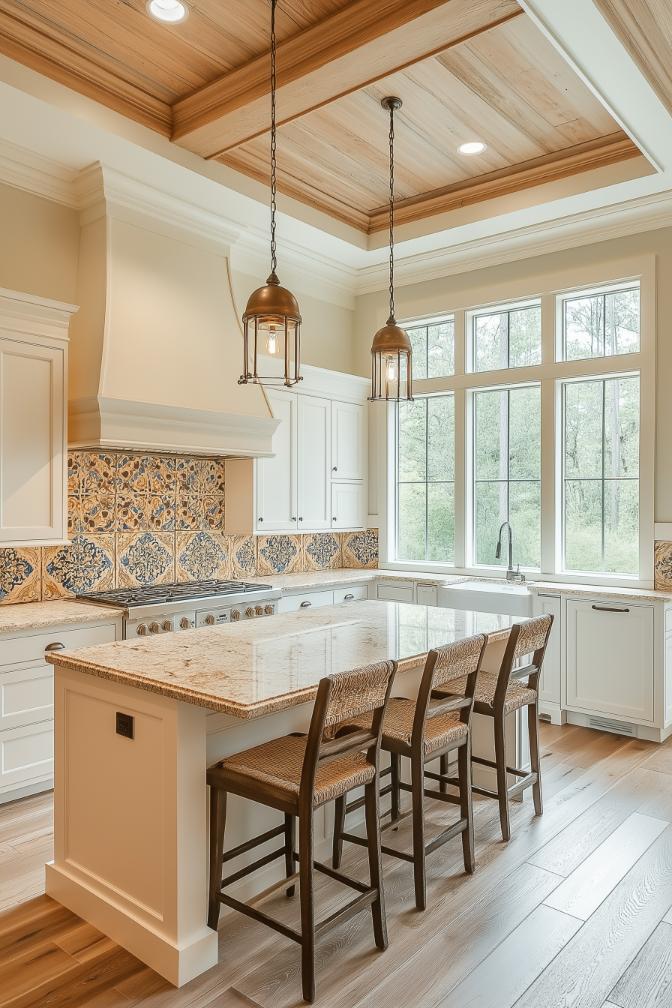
(166, 608)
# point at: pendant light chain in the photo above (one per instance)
(274, 257)
(391, 319)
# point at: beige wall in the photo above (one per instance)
(39, 247)
(327, 338)
(454, 292)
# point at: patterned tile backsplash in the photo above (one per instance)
(139, 519)
(663, 566)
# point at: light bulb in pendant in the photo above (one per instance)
(272, 344)
(391, 371)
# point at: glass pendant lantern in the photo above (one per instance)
(391, 352)
(272, 319)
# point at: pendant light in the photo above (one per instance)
(272, 320)
(391, 353)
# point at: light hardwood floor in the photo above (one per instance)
(574, 912)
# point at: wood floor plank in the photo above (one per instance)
(516, 962)
(591, 883)
(583, 974)
(647, 983)
(661, 758)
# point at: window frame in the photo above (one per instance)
(426, 322)
(549, 289)
(508, 308)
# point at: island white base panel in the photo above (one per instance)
(131, 815)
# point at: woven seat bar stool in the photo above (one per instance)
(297, 774)
(497, 696)
(423, 730)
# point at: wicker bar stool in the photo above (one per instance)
(297, 774)
(499, 695)
(423, 730)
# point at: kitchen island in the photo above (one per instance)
(137, 723)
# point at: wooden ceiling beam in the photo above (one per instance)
(549, 168)
(365, 41)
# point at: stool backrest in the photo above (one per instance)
(454, 661)
(529, 638)
(340, 698)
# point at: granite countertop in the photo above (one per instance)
(42, 615)
(604, 591)
(252, 669)
(345, 576)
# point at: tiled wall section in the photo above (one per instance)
(151, 519)
(663, 566)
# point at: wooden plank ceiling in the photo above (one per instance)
(645, 29)
(465, 69)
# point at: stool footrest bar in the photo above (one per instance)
(248, 869)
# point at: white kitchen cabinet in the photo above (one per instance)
(33, 396)
(26, 703)
(276, 476)
(348, 441)
(305, 600)
(427, 594)
(351, 593)
(550, 686)
(297, 490)
(395, 591)
(314, 463)
(610, 658)
(348, 504)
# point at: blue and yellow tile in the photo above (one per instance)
(360, 549)
(322, 551)
(279, 554)
(145, 558)
(243, 553)
(201, 556)
(20, 575)
(85, 565)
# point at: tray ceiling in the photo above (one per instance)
(465, 69)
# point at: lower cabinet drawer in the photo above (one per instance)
(351, 593)
(26, 756)
(293, 603)
(30, 649)
(400, 591)
(26, 696)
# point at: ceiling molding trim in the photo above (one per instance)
(647, 213)
(26, 170)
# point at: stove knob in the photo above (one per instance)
(166, 625)
(154, 628)
(249, 612)
(259, 610)
(141, 630)
(184, 623)
(269, 610)
(235, 614)
(209, 620)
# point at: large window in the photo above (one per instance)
(507, 472)
(601, 475)
(426, 480)
(537, 412)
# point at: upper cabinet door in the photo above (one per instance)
(314, 464)
(32, 441)
(348, 441)
(276, 476)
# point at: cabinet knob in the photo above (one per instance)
(300, 519)
(56, 646)
(293, 518)
(260, 519)
(334, 469)
(334, 518)
(306, 604)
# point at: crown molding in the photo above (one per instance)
(33, 173)
(647, 213)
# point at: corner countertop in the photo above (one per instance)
(256, 668)
(345, 576)
(602, 590)
(19, 617)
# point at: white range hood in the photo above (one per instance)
(156, 346)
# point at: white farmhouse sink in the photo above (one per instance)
(488, 596)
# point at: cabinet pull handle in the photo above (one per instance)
(606, 608)
(335, 469)
(306, 604)
(300, 519)
(348, 598)
(260, 519)
(56, 646)
(334, 518)
(293, 518)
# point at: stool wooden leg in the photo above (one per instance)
(372, 806)
(418, 785)
(290, 846)
(395, 794)
(339, 829)
(466, 805)
(443, 770)
(502, 784)
(535, 763)
(217, 824)
(307, 904)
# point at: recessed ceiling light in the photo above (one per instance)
(168, 11)
(472, 147)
